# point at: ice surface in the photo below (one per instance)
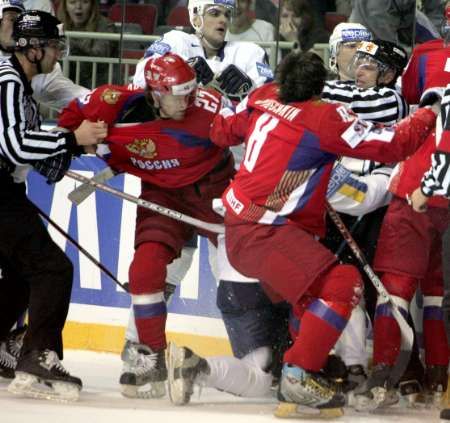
(101, 402)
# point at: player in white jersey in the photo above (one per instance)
(235, 67)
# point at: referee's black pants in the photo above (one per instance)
(38, 275)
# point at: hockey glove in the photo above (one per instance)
(54, 168)
(234, 83)
(204, 73)
(431, 96)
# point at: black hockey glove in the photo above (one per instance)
(54, 168)
(234, 82)
(431, 97)
(204, 73)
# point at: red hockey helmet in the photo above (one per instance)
(170, 74)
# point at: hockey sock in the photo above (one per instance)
(332, 300)
(434, 335)
(147, 278)
(386, 332)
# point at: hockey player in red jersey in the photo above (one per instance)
(429, 66)
(275, 208)
(421, 236)
(160, 135)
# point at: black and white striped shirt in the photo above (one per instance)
(436, 181)
(377, 104)
(21, 140)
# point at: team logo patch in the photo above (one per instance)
(144, 148)
(110, 96)
(356, 132)
(264, 70)
(368, 47)
(158, 47)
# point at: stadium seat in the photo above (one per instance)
(131, 54)
(178, 16)
(145, 15)
(332, 19)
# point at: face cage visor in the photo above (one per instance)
(215, 10)
(60, 44)
(367, 62)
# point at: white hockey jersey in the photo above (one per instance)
(55, 90)
(248, 57)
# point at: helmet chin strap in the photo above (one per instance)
(36, 62)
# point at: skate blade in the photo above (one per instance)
(147, 391)
(289, 410)
(30, 386)
(177, 391)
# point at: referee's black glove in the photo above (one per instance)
(54, 168)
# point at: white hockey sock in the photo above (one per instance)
(351, 346)
(243, 377)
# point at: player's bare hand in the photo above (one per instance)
(418, 201)
(89, 133)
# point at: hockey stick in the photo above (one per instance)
(88, 255)
(406, 333)
(210, 227)
(79, 194)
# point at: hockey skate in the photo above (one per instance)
(40, 374)
(10, 351)
(144, 372)
(184, 367)
(306, 394)
(376, 392)
(435, 385)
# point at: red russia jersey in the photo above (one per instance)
(428, 67)
(164, 152)
(290, 150)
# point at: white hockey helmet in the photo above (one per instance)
(346, 32)
(16, 5)
(197, 8)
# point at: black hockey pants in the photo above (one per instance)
(37, 274)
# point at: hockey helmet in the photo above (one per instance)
(15, 5)
(346, 32)
(37, 29)
(383, 54)
(170, 74)
(197, 8)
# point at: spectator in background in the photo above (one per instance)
(298, 22)
(84, 15)
(394, 20)
(344, 7)
(245, 27)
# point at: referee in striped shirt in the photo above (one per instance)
(43, 273)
